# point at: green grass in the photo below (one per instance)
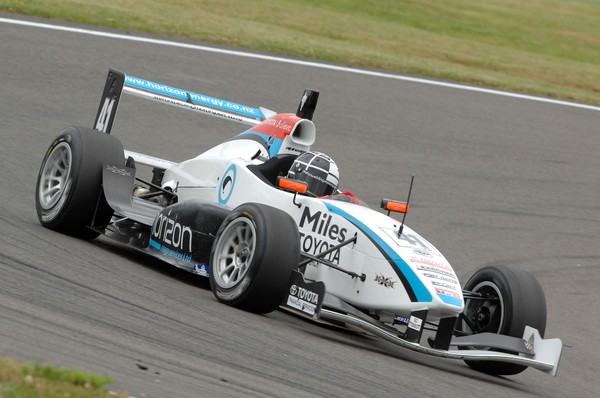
(19, 380)
(544, 47)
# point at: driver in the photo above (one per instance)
(318, 170)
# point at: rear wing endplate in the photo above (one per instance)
(110, 101)
(118, 83)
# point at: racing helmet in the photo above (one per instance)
(318, 170)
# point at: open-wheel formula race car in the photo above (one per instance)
(269, 232)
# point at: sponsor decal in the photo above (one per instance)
(278, 124)
(173, 233)
(198, 108)
(292, 149)
(305, 297)
(431, 263)
(320, 223)
(442, 278)
(201, 269)
(446, 292)
(383, 281)
(301, 305)
(415, 323)
(304, 294)
(426, 268)
(422, 253)
(185, 95)
(400, 319)
(315, 246)
(444, 285)
(117, 170)
(324, 231)
(439, 277)
(227, 184)
(170, 253)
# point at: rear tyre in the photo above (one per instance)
(69, 194)
(252, 258)
(514, 299)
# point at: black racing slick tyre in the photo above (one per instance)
(69, 196)
(512, 299)
(252, 258)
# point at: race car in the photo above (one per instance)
(261, 215)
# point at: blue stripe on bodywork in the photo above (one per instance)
(274, 144)
(451, 300)
(155, 244)
(420, 290)
(196, 98)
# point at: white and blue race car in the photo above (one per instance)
(270, 232)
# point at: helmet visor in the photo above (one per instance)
(316, 186)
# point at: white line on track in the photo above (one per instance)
(291, 61)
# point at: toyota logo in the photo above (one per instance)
(293, 290)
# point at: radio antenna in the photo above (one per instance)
(412, 179)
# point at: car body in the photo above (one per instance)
(231, 214)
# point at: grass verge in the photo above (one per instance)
(18, 380)
(543, 47)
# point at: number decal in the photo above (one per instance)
(105, 114)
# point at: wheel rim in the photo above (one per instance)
(54, 180)
(485, 315)
(234, 253)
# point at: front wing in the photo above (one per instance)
(531, 350)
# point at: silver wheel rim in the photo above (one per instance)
(234, 253)
(55, 176)
(486, 286)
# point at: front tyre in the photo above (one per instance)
(69, 194)
(252, 258)
(511, 299)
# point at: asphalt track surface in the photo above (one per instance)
(498, 180)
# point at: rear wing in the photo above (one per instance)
(118, 83)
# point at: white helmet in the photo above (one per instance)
(318, 170)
